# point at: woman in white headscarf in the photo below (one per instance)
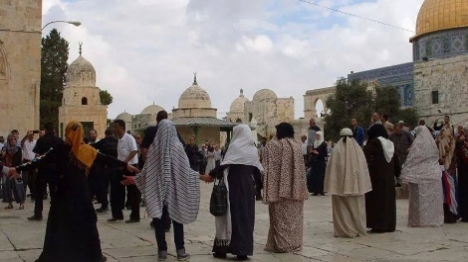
(347, 180)
(241, 170)
(318, 164)
(170, 187)
(422, 173)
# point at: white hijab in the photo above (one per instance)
(242, 150)
(318, 142)
(388, 148)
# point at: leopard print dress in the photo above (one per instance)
(285, 191)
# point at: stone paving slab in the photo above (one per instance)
(21, 240)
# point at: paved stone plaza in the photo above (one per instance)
(21, 240)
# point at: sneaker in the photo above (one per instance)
(162, 255)
(182, 256)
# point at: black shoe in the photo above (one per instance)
(102, 210)
(242, 258)
(114, 219)
(132, 221)
(35, 218)
(152, 224)
(322, 194)
(217, 255)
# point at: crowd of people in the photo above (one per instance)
(158, 170)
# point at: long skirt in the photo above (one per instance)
(349, 216)
(286, 226)
(463, 192)
(426, 205)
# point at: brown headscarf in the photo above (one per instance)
(284, 168)
(86, 154)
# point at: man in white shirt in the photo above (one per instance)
(126, 151)
(29, 176)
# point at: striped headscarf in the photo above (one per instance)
(167, 179)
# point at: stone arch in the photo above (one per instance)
(84, 101)
(312, 97)
(319, 106)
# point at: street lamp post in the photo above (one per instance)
(75, 23)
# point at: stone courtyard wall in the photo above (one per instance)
(20, 64)
(449, 77)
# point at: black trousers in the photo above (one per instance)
(118, 197)
(160, 231)
(45, 176)
(117, 194)
(103, 187)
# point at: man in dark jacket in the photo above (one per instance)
(107, 146)
(47, 170)
(313, 129)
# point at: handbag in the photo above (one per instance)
(218, 200)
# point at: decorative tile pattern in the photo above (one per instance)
(441, 44)
(399, 76)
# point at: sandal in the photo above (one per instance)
(21, 207)
(10, 206)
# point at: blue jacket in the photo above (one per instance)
(359, 135)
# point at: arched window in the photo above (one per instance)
(84, 101)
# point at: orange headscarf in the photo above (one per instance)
(74, 137)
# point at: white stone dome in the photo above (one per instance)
(194, 97)
(152, 110)
(237, 105)
(81, 73)
(264, 94)
(126, 117)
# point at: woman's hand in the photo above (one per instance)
(132, 169)
(206, 178)
(128, 181)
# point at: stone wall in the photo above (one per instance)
(285, 109)
(20, 64)
(448, 77)
(194, 112)
(83, 104)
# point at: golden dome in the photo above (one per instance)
(437, 15)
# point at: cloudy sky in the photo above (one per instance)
(146, 51)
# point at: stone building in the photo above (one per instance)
(195, 116)
(81, 100)
(139, 122)
(266, 108)
(435, 83)
(20, 64)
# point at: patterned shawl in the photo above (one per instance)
(284, 176)
(167, 179)
(446, 145)
(422, 163)
(347, 172)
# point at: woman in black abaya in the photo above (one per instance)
(72, 233)
(241, 170)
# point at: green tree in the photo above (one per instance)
(387, 101)
(409, 115)
(351, 100)
(106, 97)
(53, 70)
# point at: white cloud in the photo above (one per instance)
(147, 50)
